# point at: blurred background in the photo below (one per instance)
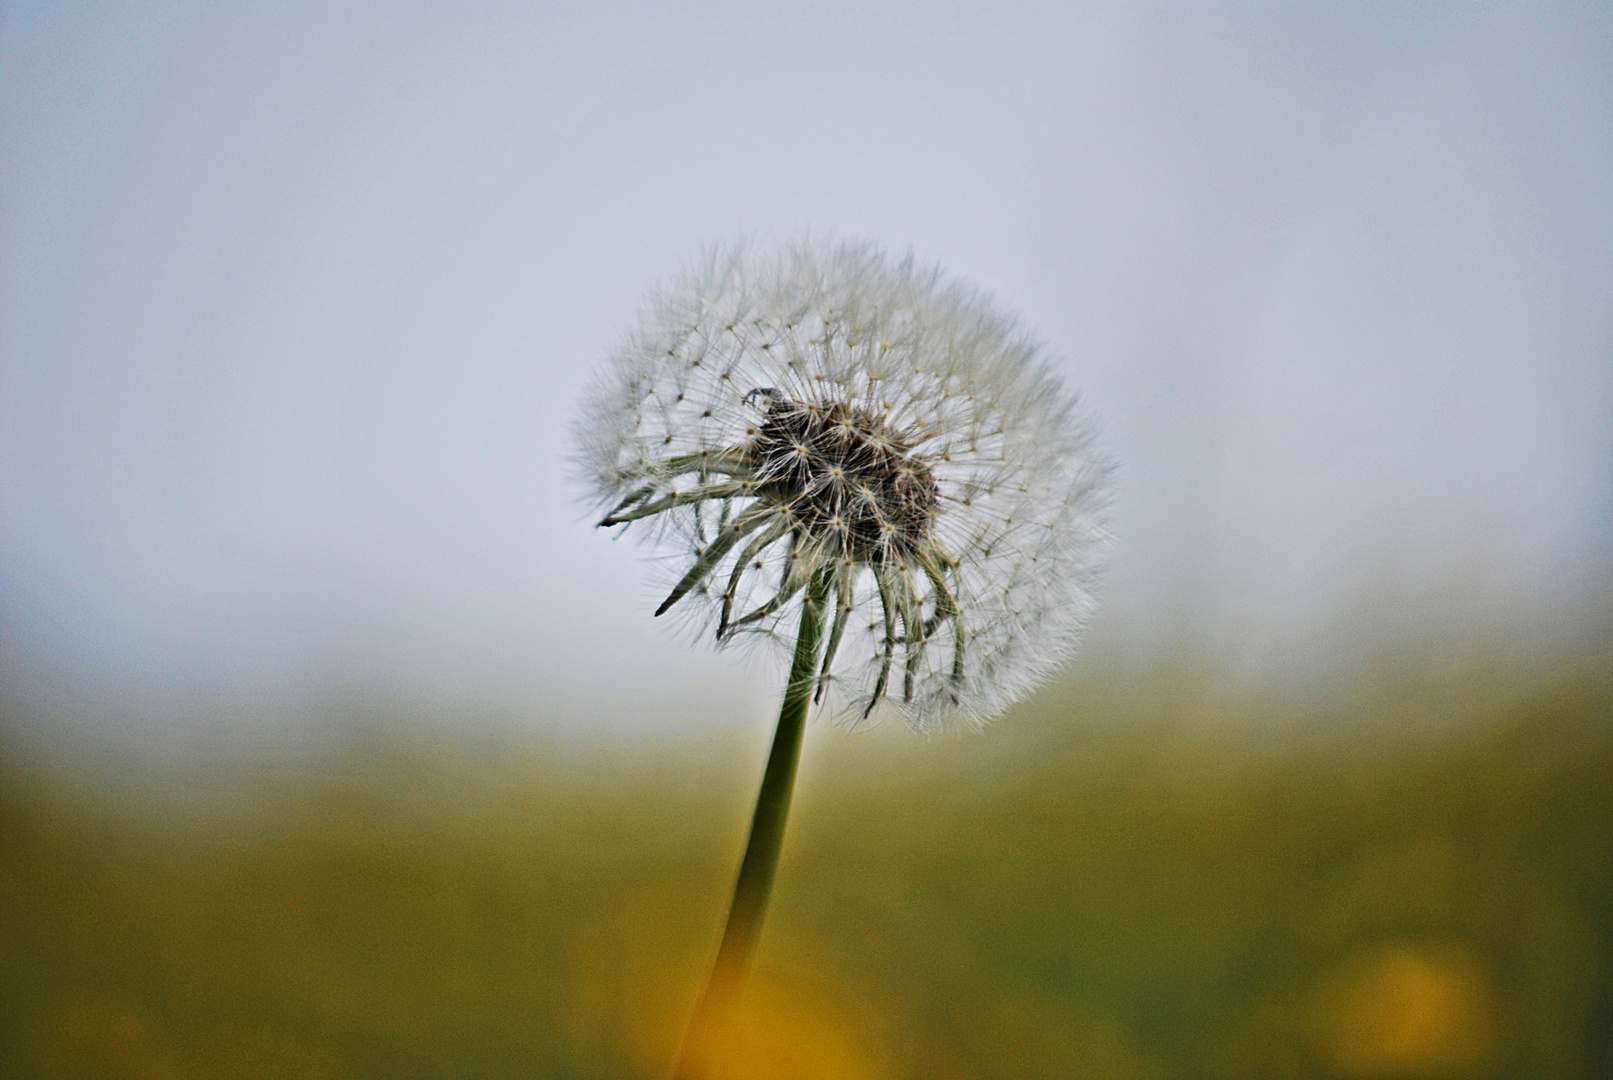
(334, 742)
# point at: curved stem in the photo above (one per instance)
(762, 850)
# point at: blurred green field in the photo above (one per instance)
(1133, 875)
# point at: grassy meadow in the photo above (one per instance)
(1135, 874)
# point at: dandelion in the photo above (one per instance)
(820, 437)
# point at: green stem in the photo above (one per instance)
(756, 871)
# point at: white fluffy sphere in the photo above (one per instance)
(823, 420)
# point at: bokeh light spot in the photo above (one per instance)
(1403, 1011)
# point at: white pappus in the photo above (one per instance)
(822, 418)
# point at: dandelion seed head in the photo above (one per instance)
(825, 410)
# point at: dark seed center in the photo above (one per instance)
(847, 475)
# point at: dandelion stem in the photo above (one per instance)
(756, 870)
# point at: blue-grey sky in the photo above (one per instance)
(298, 300)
